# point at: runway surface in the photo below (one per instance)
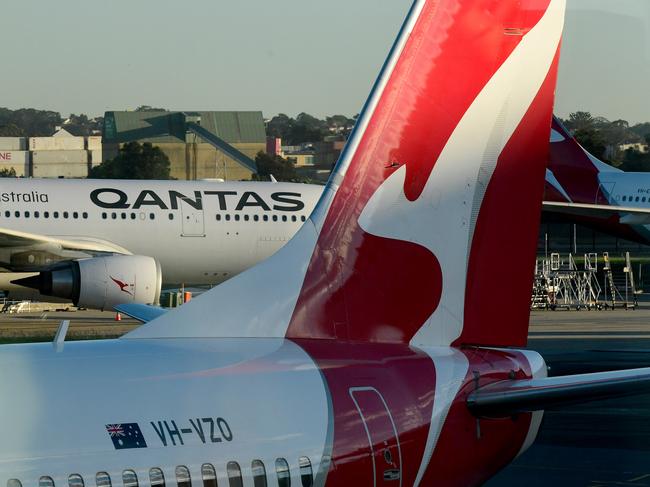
(600, 444)
(597, 445)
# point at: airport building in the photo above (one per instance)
(61, 155)
(200, 145)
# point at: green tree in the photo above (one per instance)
(33, 123)
(593, 141)
(135, 161)
(147, 108)
(635, 161)
(8, 173)
(11, 130)
(276, 166)
(580, 121)
(279, 126)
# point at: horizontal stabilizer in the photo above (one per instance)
(141, 312)
(506, 398)
(628, 214)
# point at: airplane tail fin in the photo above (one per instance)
(573, 173)
(436, 196)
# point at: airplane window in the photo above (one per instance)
(75, 215)
(65, 214)
(156, 477)
(7, 214)
(282, 469)
(102, 479)
(265, 218)
(306, 474)
(171, 216)
(302, 218)
(84, 215)
(123, 215)
(643, 199)
(45, 481)
(132, 216)
(183, 476)
(624, 198)
(129, 478)
(636, 199)
(218, 218)
(14, 483)
(55, 214)
(36, 214)
(27, 213)
(114, 215)
(246, 218)
(17, 214)
(275, 218)
(46, 214)
(209, 475)
(236, 218)
(75, 480)
(259, 473)
(234, 475)
(227, 218)
(152, 216)
(256, 218)
(294, 218)
(284, 218)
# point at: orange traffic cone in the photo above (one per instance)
(118, 317)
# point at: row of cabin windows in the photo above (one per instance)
(133, 216)
(636, 199)
(183, 478)
(264, 218)
(46, 214)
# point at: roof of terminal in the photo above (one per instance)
(169, 127)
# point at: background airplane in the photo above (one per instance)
(593, 193)
(103, 242)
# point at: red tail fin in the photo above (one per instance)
(442, 176)
(436, 179)
(573, 171)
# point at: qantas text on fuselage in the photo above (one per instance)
(114, 198)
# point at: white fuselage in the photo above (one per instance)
(201, 232)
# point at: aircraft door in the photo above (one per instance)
(605, 193)
(382, 435)
(192, 219)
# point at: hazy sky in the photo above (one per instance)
(88, 56)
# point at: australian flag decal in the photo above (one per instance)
(126, 435)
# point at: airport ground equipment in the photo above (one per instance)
(564, 283)
(620, 291)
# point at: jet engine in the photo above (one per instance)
(101, 282)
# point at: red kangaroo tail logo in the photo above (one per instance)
(122, 285)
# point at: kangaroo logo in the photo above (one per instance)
(122, 285)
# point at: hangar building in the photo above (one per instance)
(200, 145)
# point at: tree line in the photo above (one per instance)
(603, 138)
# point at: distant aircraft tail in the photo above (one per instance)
(573, 173)
(438, 189)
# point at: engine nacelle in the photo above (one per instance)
(102, 282)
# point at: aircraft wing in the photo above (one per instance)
(510, 397)
(25, 252)
(628, 214)
(141, 312)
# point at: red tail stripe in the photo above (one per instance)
(445, 64)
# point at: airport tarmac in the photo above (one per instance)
(597, 445)
(41, 326)
(602, 444)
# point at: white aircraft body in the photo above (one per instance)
(104, 242)
(369, 350)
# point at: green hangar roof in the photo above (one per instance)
(170, 127)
